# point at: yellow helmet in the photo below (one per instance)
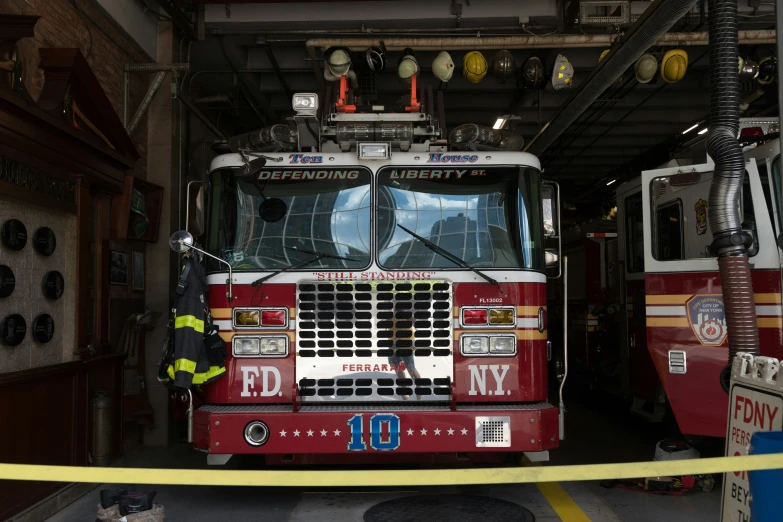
(474, 66)
(674, 65)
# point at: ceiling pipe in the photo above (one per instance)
(646, 32)
(230, 47)
(555, 41)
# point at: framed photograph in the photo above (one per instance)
(138, 271)
(118, 264)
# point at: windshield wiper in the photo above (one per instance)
(318, 257)
(448, 255)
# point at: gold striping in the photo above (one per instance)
(524, 335)
(668, 321)
(528, 311)
(220, 313)
(770, 322)
(667, 299)
(227, 336)
(767, 298)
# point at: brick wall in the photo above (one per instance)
(106, 47)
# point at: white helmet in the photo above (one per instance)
(338, 61)
(443, 66)
(408, 67)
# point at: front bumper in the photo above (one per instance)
(335, 429)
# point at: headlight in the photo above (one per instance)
(245, 346)
(274, 345)
(260, 346)
(475, 344)
(503, 345)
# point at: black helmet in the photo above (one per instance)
(376, 59)
(533, 75)
(768, 70)
(503, 66)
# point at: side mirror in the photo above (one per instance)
(196, 213)
(550, 203)
(181, 241)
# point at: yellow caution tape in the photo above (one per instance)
(388, 477)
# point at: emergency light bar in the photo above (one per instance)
(374, 151)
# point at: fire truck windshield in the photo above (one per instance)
(327, 211)
(489, 217)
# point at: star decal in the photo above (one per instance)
(464, 431)
(423, 431)
(309, 433)
(336, 433)
(296, 433)
(410, 431)
(323, 433)
(437, 431)
(282, 433)
(451, 431)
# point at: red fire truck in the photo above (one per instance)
(674, 347)
(381, 292)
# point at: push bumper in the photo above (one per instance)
(335, 429)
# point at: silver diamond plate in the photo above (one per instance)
(493, 432)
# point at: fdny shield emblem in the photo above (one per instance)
(701, 216)
(707, 317)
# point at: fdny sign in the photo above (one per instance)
(755, 404)
(260, 381)
(479, 383)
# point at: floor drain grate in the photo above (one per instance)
(454, 508)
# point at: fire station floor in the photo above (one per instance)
(608, 434)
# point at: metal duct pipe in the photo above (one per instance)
(557, 41)
(729, 241)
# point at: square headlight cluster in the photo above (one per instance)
(260, 318)
(473, 316)
(259, 345)
(488, 344)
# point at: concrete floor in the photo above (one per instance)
(608, 434)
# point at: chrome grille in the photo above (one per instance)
(355, 341)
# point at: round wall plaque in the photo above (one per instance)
(43, 328)
(14, 329)
(14, 234)
(44, 241)
(7, 281)
(53, 284)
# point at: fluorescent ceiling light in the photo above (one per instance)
(611, 182)
(704, 130)
(686, 131)
(499, 123)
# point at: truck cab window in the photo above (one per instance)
(634, 233)
(668, 220)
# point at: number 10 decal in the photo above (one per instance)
(377, 441)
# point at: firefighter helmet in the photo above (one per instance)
(562, 73)
(408, 66)
(474, 66)
(768, 70)
(376, 60)
(338, 60)
(533, 73)
(674, 65)
(748, 69)
(645, 68)
(443, 66)
(503, 66)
